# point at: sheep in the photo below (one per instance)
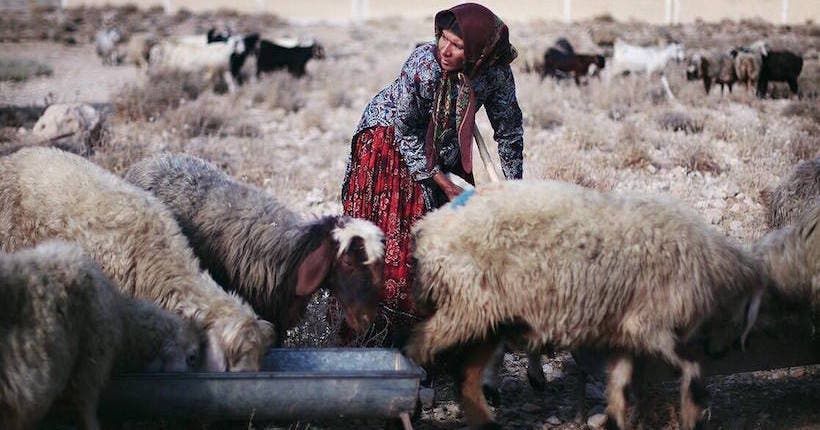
(47, 193)
(106, 43)
(138, 49)
(196, 54)
(631, 58)
(254, 245)
(796, 193)
(779, 66)
(532, 260)
(718, 68)
(747, 67)
(69, 327)
(791, 255)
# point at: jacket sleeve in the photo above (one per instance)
(418, 82)
(505, 116)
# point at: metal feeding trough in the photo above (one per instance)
(294, 383)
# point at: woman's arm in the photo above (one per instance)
(505, 116)
(418, 80)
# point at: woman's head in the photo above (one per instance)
(470, 37)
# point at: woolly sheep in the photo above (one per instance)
(70, 325)
(194, 54)
(138, 49)
(46, 193)
(254, 245)
(747, 67)
(564, 266)
(796, 193)
(791, 255)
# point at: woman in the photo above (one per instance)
(418, 129)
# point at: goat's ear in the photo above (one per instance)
(313, 270)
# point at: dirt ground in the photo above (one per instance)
(291, 137)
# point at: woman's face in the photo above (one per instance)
(451, 51)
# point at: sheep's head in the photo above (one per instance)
(180, 351)
(348, 262)
(237, 340)
(694, 67)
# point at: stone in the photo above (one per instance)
(596, 421)
(554, 420)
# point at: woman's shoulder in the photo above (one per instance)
(422, 62)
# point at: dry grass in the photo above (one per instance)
(17, 70)
(162, 91)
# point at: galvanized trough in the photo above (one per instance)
(294, 383)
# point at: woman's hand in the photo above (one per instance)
(450, 189)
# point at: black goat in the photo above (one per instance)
(271, 56)
(561, 61)
(779, 66)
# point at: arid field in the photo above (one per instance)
(720, 154)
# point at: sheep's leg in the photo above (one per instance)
(471, 363)
(793, 85)
(693, 394)
(535, 373)
(620, 375)
(490, 383)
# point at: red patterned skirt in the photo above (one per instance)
(379, 188)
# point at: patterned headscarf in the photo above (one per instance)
(486, 43)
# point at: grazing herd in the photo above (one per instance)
(220, 55)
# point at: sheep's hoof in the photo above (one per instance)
(491, 425)
(537, 380)
(492, 394)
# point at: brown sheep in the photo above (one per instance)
(70, 327)
(46, 193)
(256, 246)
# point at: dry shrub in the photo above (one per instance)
(680, 121)
(632, 148)
(162, 91)
(285, 92)
(542, 116)
(587, 137)
(804, 109)
(16, 70)
(203, 117)
(804, 145)
(698, 158)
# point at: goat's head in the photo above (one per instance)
(318, 51)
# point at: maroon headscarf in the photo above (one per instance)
(486, 43)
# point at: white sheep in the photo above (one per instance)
(196, 55)
(795, 194)
(560, 265)
(46, 193)
(62, 328)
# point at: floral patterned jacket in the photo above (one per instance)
(407, 104)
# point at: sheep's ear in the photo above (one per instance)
(313, 269)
